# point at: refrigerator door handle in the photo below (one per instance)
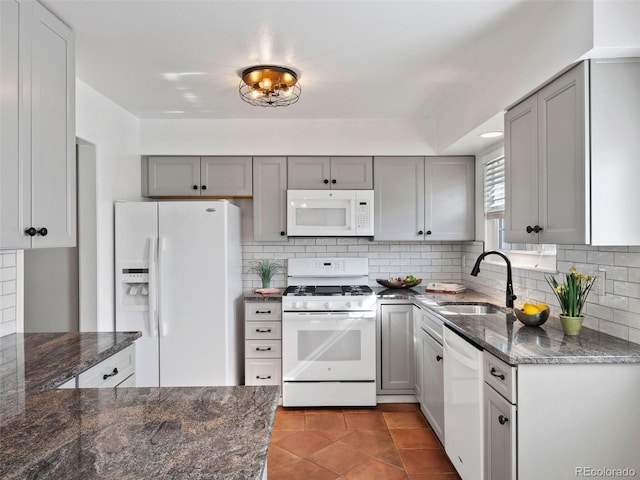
(162, 328)
(152, 317)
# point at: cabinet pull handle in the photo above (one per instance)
(43, 231)
(261, 349)
(535, 229)
(263, 311)
(263, 330)
(107, 375)
(325, 181)
(420, 232)
(31, 231)
(195, 187)
(263, 377)
(494, 373)
(502, 419)
(438, 358)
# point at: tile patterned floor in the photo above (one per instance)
(389, 442)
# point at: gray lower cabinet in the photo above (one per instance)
(323, 173)
(263, 343)
(395, 338)
(37, 128)
(185, 176)
(269, 199)
(418, 198)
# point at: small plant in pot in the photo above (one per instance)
(572, 296)
(266, 269)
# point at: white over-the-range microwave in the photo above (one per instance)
(330, 213)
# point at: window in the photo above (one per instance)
(528, 256)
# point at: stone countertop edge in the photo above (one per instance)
(251, 296)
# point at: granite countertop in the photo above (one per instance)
(251, 296)
(513, 342)
(115, 433)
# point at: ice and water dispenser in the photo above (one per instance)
(134, 287)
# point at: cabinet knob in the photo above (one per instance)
(428, 232)
(420, 232)
(43, 231)
(535, 229)
(438, 358)
(203, 187)
(107, 375)
(195, 187)
(326, 181)
(502, 419)
(282, 234)
(31, 231)
(334, 181)
(494, 373)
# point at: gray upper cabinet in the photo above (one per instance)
(545, 163)
(269, 198)
(449, 198)
(37, 132)
(338, 173)
(418, 198)
(175, 176)
(571, 164)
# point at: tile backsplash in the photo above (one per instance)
(8, 274)
(429, 261)
(615, 309)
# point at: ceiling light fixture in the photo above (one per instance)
(269, 86)
(491, 134)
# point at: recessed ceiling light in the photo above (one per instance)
(491, 134)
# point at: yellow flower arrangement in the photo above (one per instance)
(572, 294)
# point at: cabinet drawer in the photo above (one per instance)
(111, 371)
(431, 324)
(263, 311)
(263, 349)
(501, 376)
(263, 330)
(266, 371)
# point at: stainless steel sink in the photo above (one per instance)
(468, 309)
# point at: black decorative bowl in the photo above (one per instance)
(534, 320)
(395, 283)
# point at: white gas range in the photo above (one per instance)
(328, 333)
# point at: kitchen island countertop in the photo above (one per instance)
(114, 433)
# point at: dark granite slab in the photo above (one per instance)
(513, 342)
(258, 297)
(143, 433)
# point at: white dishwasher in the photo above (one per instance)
(463, 413)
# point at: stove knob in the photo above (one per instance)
(347, 305)
(295, 305)
(327, 305)
(360, 305)
(305, 305)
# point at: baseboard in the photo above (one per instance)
(396, 399)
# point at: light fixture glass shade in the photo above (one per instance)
(269, 86)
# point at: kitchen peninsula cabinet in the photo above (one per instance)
(269, 199)
(175, 176)
(324, 173)
(37, 128)
(418, 198)
(570, 158)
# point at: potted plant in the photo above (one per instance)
(266, 269)
(572, 295)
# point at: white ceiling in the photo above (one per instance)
(357, 59)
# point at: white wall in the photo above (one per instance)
(287, 137)
(115, 133)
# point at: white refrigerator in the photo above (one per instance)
(178, 274)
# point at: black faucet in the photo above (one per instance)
(476, 270)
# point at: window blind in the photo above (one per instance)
(494, 178)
